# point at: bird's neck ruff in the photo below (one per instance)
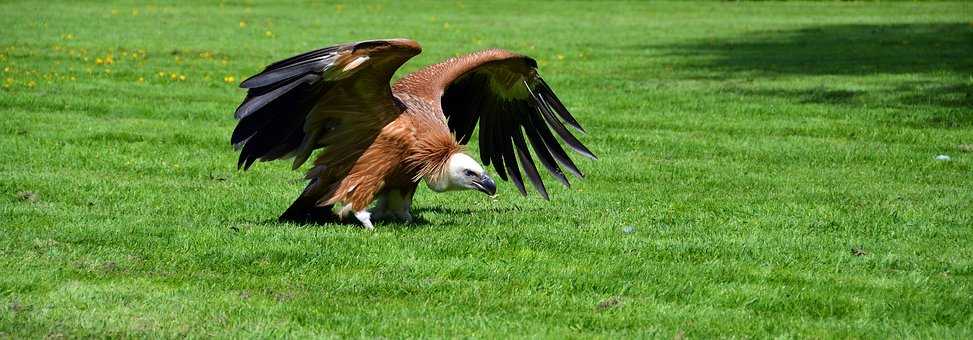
(431, 155)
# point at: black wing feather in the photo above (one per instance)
(549, 96)
(306, 56)
(274, 130)
(497, 141)
(553, 146)
(545, 133)
(507, 122)
(540, 149)
(463, 98)
(566, 136)
(278, 100)
(508, 154)
(528, 164)
(274, 115)
(487, 127)
(251, 105)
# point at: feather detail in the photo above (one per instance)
(430, 154)
(502, 94)
(335, 96)
(374, 137)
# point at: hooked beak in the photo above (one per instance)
(486, 185)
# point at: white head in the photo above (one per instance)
(462, 173)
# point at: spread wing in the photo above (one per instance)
(326, 97)
(514, 107)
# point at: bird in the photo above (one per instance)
(378, 140)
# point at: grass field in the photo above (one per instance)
(777, 162)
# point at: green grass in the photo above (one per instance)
(775, 159)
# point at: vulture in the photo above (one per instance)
(379, 140)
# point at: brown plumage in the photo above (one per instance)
(379, 141)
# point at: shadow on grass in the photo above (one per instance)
(418, 218)
(469, 210)
(842, 50)
(925, 50)
(417, 222)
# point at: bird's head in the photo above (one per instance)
(463, 173)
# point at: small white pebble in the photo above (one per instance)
(628, 229)
(943, 158)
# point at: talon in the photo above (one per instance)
(365, 218)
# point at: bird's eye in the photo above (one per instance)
(469, 173)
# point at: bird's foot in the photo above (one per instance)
(362, 216)
(365, 218)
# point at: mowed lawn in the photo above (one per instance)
(766, 170)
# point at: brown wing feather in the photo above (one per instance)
(502, 93)
(337, 96)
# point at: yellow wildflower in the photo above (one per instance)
(229, 79)
(182, 77)
(243, 24)
(269, 34)
(98, 61)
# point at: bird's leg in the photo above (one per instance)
(345, 210)
(381, 208)
(362, 216)
(393, 204)
(403, 206)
